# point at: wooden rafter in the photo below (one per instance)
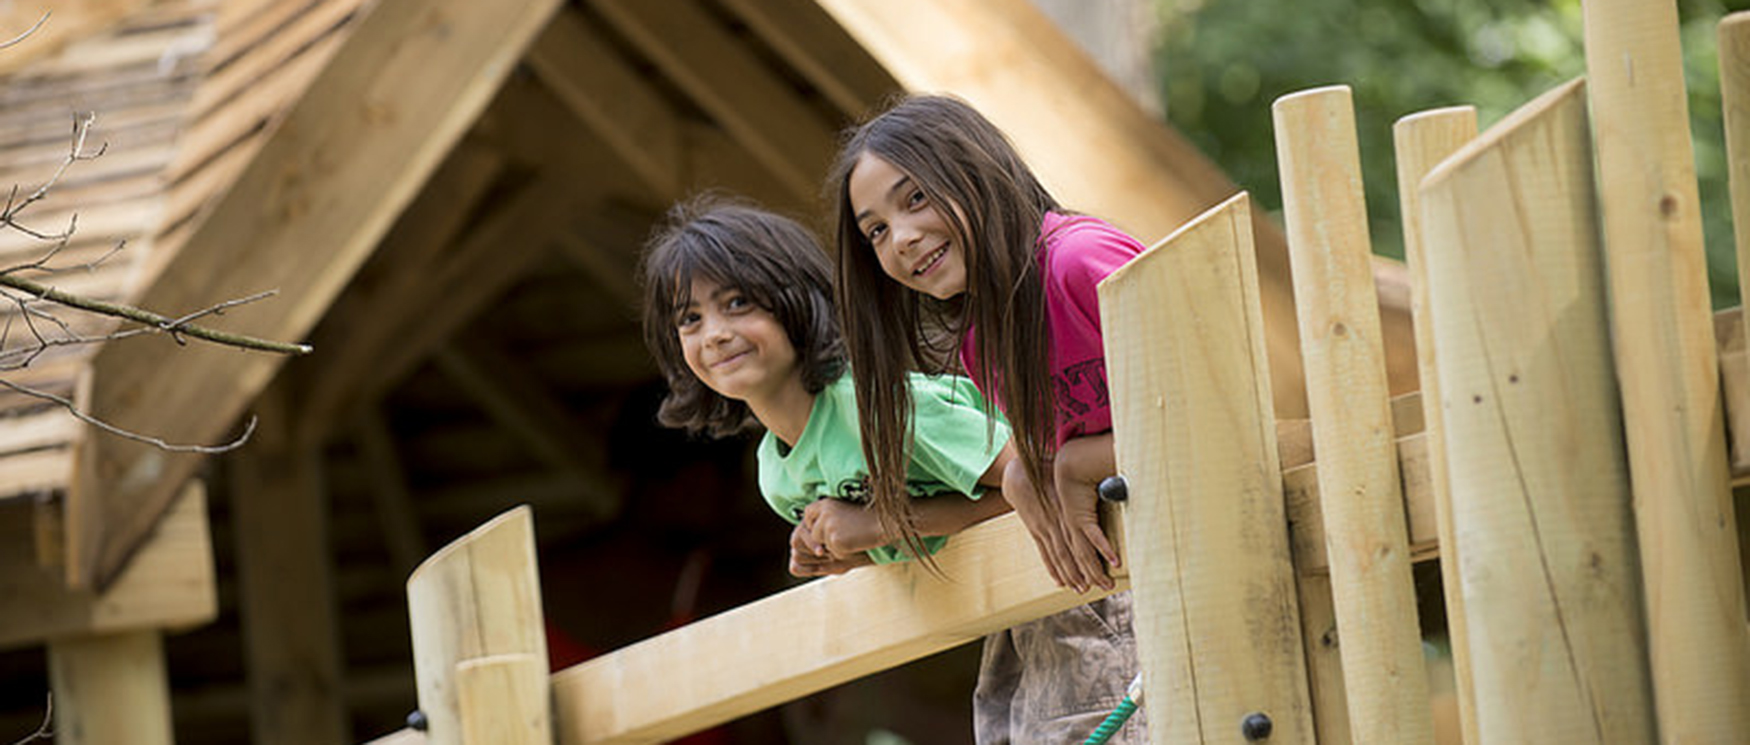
(812, 42)
(725, 79)
(347, 159)
(67, 20)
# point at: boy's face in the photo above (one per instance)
(735, 347)
(911, 237)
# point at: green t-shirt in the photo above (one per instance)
(952, 447)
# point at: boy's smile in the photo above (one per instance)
(735, 347)
(911, 237)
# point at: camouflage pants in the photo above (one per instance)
(1055, 679)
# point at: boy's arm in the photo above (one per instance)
(839, 528)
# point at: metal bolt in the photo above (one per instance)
(416, 720)
(1114, 489)
(1256, 726)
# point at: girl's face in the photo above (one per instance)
(912, 238)
(735, 347)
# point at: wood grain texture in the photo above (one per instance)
(110, 688)
(502, 700)
(1195, 437)
(1662, 332)
(1421, 141)
(1366, 535)
(1734, 52)
(1540, 491)
(479, 598)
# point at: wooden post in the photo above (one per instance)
(1366, 535)
(1218, 630)
(1662, 331)
(1540, 497)
(475, 600)
(1735, 100)
(291, 631)
(1421, 141)
(110, 689)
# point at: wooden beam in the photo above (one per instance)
(396, 513)
(1541, 499)
(521, 403)
(110, 688)
(1734, 46)
(1662, 335)
(818, 47)
(348, 157)
(169, 586)
(1421, 141)
(739, 91)
(810, 638)
(617, 103)
(1207, 533)
(1366, 535)
(291, 628)
(1735, 385)
(477, 599)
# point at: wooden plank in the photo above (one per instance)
(502, 700)
(738, 91)
(1323, 649)
(478, 598)
(1206, 522)
(810, 638)
(170, 585)
(279, 513)
(326, 186)
(1421, 141)
(1734, 50)
(110, 688)
(1366, 534)
(1662, 334)
(1735, 385)
(617, 103)
(71, 19)
(1539, 485)
(818, 48)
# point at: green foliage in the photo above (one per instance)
(1222, 63)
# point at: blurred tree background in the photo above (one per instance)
(1221, 65)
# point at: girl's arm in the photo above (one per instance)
(835, 527)
(1081, 464)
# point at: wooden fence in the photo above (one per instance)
(1567, 460)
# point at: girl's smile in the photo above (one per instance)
(912, 238)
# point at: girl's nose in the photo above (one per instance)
(905, 234)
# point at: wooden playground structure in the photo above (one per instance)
(1542, 400)
(1560, 352)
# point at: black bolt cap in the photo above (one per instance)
(1114, 489)
(1256, 726)
(416, 720)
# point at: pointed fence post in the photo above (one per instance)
(1385, 679)
(1421, 141)
(1218, 630)
(1539, 479)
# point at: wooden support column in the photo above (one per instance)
(1735, 101)
(286, 600)
(1206, 532)
(1662, 333)
(479, 645)
(1540, 491)
(345, 161)
(110, 689)
(1366, 535)
(1421, 141)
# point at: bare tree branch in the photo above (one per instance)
(176, 327)
(44, 731)
(66, 403)
(27, 32)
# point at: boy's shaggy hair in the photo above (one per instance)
(772, 259)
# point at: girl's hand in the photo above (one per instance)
(1080, 465)
(841, 529)
(1045, 526)
(805, 561)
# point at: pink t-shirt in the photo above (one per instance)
(1079, 251)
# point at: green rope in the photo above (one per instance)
(1119, 715)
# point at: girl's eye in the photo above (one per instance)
(875, 233)
(916, 198)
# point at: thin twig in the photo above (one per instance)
(27, 32)
(44, 731)
(67, 404)
(176, 327)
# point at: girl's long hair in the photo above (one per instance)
(970, 172)
(775, 261)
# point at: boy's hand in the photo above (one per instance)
(841, 529)
(1045, 526)
(806, 562)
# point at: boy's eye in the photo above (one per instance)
(686, 318)
(737, 302)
